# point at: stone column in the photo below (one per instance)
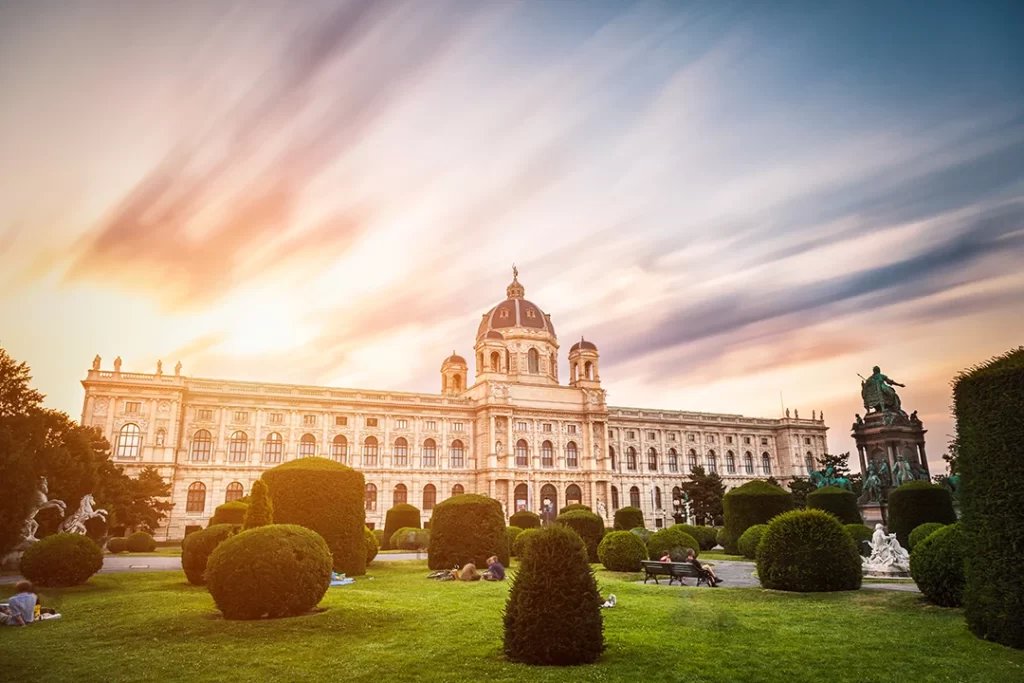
(219, 448)
(923, 458)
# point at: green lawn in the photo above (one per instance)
(719, 555)
(155, 627)
(169, 551)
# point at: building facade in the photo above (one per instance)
(511, 432)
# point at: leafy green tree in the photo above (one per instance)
(800, 488)
(705, 492)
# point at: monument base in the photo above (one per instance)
(11, 562)
(887, 573)
(871, 513)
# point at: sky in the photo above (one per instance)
(743, 204)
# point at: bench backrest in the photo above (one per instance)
(670, 567)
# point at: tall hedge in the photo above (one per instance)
(229, 513)
(756, 502)
(327, 497)
(402, 515)
(916, 503)
(261, 509)
(467, 528)
(524, 519)
(628, 518)
(808, 551)
(989, 404)
(840, 502)
(588, 525)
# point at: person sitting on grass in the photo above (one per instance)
(495, 570)
(708, 572)
(469, 573)
(22, 604)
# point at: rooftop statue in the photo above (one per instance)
(878, 393)
(96, 362)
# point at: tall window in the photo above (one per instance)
(234, 492)
(547, 455)
(495, 362)
(615, 499)
(370, 450)
(309, 420)
(652, 460)
(573, 496)
(371, 498)
(520, 497)
(429, 497)
(572, 455)
(522, 453)
(611, 456)
(533, 361)
(307, 446)
(634, 496)
(129, 441)
(691, 459)
(766, 463)
(458, 490)
(548, 498)
(712, 462)
(673, 460)
(657, 498)
(401, 452)
(730, 463)
(457, 455)
(238, 447)
(339, 448)
(196, 499)
(631, 459)
(429, 457)
(273, 448)
(202, 446)
(401, 494)
(809, 461)
(748, 463)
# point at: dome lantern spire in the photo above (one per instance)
(515, 290)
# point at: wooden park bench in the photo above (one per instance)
(675, 571)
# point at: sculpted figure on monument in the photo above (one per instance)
(883, 474)
(159, 367)
(887, 555)
(878, 393)
(901, 472)
(177, 369)
(75, 523)
(872, 485)
(96, 362)
(40, 501)
(117, 364)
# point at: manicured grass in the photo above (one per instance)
(155, 627)
(170, 551)
(719, 555)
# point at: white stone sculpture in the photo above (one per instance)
(504, 510)
(75, 523)
(887, 555)
(601, 509)
(39, 503)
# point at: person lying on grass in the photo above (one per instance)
(22, 605)
(469, 573)
(495, 570)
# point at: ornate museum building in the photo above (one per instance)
(511, 431)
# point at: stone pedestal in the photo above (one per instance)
(884, 436)
(872, 514)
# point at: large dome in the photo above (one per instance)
(515, 311)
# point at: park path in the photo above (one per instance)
(739, 574)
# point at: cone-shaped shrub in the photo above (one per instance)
(197, 548)
(922, 532)
(750, 539)
(522, 542)
(575, 506)
(372, 547)
(589, 526)
(671, 541)
(261, 510)
(524, 519)
(553, 614)
(840, 502)
(916, 503)
(756, 502)
(402, 515)
(230, 513)
(808, 551)
(621, 551)
(467, 528)
(628, 518)
(937, 565)
(61, 560)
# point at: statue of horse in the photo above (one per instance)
(75, 524)
(39, 503)
(841, 482)
(817, 479)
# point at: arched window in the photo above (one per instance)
(371, 498)
(457, 382)
(634, 496)
(458, 490)
(611, 456)
(520, 497)
(339, 448)
(573, 495)
(444, 382)
(522, 453)
(547, 458)
(401, 494)
(429, 453)
(495, 361)
(748, 463)
(202, 446)
(370, 449)
(548, 499)
(730, 463)
(533, 361)
(273, 448)
(307, 446)
(480, 362)
(238, 447)
(691, 458)
(457, 456)
(766, 463)
(572, 455)
(196, 499)
(234, 492)
(589, 370)
(652, 460)
(615, 499)
(401, 452)
(712, 462)
(657, 498)
(631, 459)
(809, 461)
(677, 494)
(429, 497)
(129, 441)
(673, 460)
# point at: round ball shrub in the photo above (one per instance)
(197, 548)
(922, 532)
(410, 538)
(916, 503)
(840, 502)
(642, 533)
(673, 542)
(859, 533)
(575, 506)
(277, 570)
(553, 614)
(706, 536)
(327, 497)
(628, 518)
(750, 539)
(808, 551)
(467, 528)
(230, 513)
(937, 565)
(621, 551)
(522, 543)
(589, 526)
(379, 535)
(756, 502)
(372, 546)
(524, 519)
(117, 544)
(402, 515)
(140, 542)
(61, 560)
(512, 533)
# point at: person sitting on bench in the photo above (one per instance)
(666, 557)
(707, 571)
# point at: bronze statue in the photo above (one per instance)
(878, 393)
(872, 485)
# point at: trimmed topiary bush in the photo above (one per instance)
(756, 502)
(937, 565)
(589, 526)
(808, 551)
(117, 544)
(522, 543)
(467, 528)
(271, 571)
(61, 560)
(230, 513)
(573, 507)
(720, 537)
(628, 518)
(379, 535)
(642, 533)
(327, 497)
(410, 538)
(621, 551)
(260, 511)
(671, 541)
(706, 536)
(916, 503)
(553, 614)
(840, 502)
(372, 547)
(922, 532)
(859, 533)
(750, 539)
(512, 533)
(140, 542)
(197, 548)
(402, 515)
(524, 519)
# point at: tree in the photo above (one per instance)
(16, 396)
(951, 454)
(706, 492)
(143, 509)
(840, 464)
(800, 488)
(261, 510)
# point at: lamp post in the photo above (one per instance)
(679, 513)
